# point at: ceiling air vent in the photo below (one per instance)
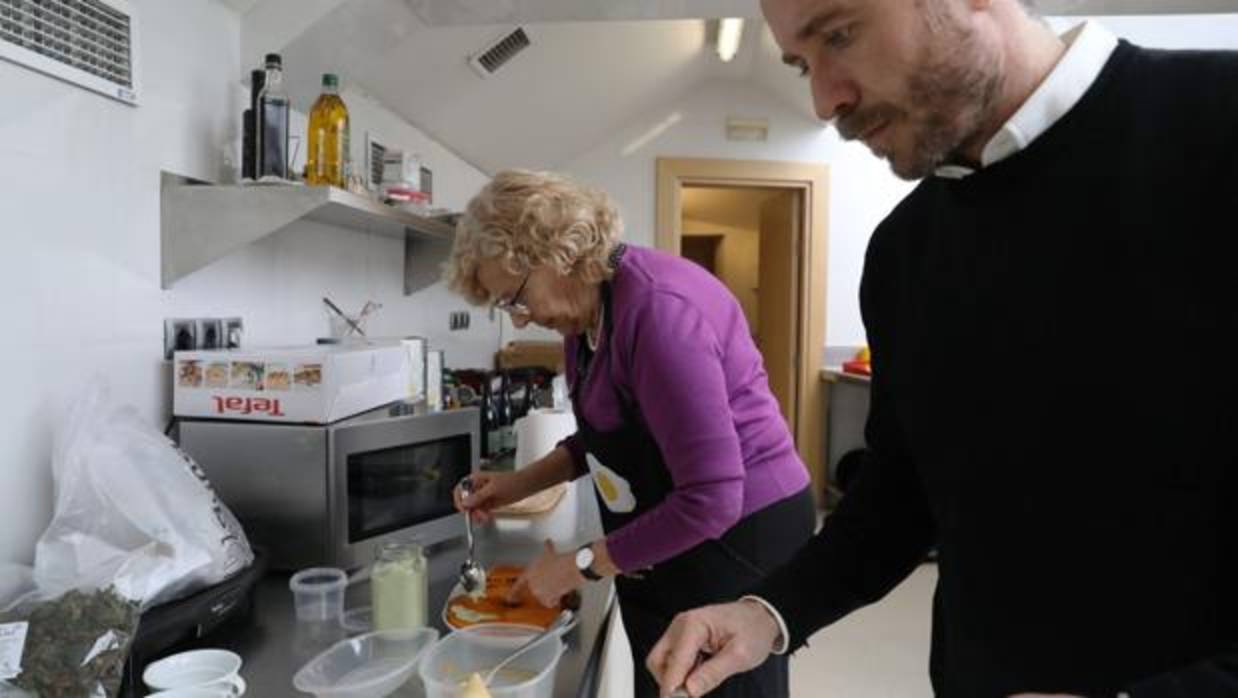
(494, 56)
(90, 43)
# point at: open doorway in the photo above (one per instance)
(760, 228)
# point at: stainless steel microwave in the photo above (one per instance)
(332, 494)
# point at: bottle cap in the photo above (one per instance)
(273, 60)
(330, 80)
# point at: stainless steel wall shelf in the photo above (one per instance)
(201, 223)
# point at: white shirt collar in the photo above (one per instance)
(1089, 46)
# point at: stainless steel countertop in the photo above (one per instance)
(274, 645)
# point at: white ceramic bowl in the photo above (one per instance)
(222, 691)
(194, 669)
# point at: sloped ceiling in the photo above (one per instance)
(439, 12)
(576, 82)
(593, 65)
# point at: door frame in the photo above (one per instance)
(812, 181)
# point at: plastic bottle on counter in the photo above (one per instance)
(399, 587)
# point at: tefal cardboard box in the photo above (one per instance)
(306, 385)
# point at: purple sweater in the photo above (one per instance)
(682, 352)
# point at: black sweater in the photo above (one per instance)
(1055, 403)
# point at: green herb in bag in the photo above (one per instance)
(76, 645)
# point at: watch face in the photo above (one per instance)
(584, 558)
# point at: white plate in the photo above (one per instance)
(458, 591)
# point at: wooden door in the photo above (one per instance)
(778, 297)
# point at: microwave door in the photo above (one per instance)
(394, 478)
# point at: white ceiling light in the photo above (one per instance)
(730, 29)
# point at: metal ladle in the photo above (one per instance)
(472, 576)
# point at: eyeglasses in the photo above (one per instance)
(513, 306)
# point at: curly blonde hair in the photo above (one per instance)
(527, 220)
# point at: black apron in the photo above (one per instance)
(714, 571)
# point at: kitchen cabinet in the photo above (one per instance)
(201, 223)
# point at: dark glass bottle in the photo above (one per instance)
(256, 80)
(271, 123)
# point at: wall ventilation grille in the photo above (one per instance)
(90, 43)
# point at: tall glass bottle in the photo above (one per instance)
(327, 161)
(271, 123)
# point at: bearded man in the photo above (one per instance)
(1051, 314)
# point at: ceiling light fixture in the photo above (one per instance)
(730, 29)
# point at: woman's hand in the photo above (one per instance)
(548, 578)
(490, 491)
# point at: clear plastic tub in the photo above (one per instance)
(319, 593)
(358, 620)
(448, 664)
(368, 666)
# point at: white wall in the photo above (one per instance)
(862, 189)
(80, 271)
(1218, 31)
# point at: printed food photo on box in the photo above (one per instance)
(246, 375)
(189, 373)
(307, 376)
(277, 377)
(217, 374)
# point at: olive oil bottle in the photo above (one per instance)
(327, 161)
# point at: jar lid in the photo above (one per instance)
(398, 550)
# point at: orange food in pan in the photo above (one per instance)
(493, 607)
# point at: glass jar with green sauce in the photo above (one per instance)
(399, 587)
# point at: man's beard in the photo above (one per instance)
(953, 95)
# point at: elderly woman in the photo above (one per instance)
(699, 485)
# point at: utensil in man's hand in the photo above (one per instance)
(472, 576)
(556, 628)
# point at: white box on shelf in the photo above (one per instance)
(319, 384)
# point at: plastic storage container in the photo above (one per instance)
(448, 664)
(369, 666)
(319, 594)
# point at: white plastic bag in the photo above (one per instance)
(132, 512)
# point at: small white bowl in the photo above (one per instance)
(194, 669)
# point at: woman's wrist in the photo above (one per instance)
(603, 564)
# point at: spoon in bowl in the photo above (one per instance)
(472, 576)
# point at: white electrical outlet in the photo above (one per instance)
(234, 332)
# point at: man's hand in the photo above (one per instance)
(735, 638)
